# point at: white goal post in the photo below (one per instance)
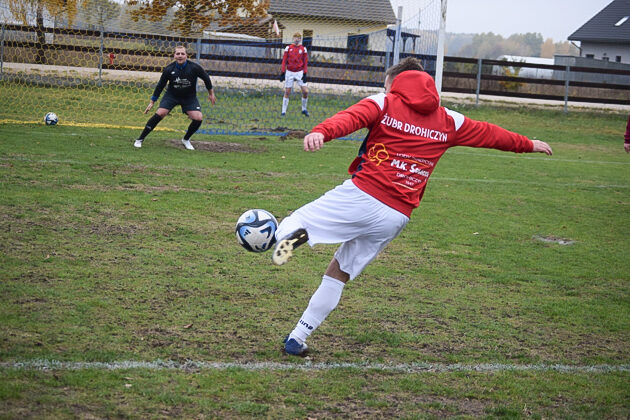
(439, 65)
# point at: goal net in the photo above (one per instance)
(96, 62)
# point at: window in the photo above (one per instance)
(590, 55)
(618, 59)
(307, 38)
(357, 45)
(622, 20)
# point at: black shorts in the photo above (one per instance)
(188, 103)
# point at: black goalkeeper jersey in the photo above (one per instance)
(182, 80)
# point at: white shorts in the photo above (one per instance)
(293, 76)
(362, 224)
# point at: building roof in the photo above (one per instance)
(608, 25)
(378, 11)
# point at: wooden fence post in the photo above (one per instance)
(566, 89)
(479, 62)
(100, 57)
(2, 50)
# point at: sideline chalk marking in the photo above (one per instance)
(45, 365)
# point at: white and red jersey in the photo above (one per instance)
(295, 58)
(408, 133)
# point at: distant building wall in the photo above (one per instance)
(566, 60)
(616, 52)
(334, 33)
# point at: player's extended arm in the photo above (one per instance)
(483, 134)
(542, 147)
(158, 89)
(313, 142)
(148, 108)
(283, 67)
(360, 115)
(203, 75)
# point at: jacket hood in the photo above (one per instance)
(417, 90)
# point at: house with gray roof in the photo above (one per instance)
(358, 11)
(335, 23)
(606, 36)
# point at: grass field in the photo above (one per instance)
(121, 104)
(124, 294)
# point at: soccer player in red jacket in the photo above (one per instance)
(294, 68)
(408, 133)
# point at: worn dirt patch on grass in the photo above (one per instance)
(218, 146)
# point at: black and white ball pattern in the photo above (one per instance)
(256, 230)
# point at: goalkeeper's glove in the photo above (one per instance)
(281, 78)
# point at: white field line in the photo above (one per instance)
(45, 365)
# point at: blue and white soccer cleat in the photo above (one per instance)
(291, 346)
(284, 248)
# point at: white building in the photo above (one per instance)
(607, 35)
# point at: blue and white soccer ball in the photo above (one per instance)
(51, 119)
(256, 230)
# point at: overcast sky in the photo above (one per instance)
(556, 19)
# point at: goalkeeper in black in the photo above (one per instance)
(181, 76)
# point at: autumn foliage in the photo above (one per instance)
(193, 16)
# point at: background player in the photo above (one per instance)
(294, 68)
(181, 76)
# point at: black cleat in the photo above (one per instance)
(284, 248)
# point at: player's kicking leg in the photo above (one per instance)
(284, 248)
(324, 300)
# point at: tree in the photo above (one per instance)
(528, 44)
(33, 12)
(566, 48)
(192, 16)
(485, 45)
(29, 12)
(98, 12)
(548, 48)
(490, 45)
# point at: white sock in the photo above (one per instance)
(304, 102)
(285, 104)
(323, 301)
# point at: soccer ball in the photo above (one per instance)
(256, 230)
(51, 118)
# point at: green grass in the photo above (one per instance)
(110, 254)
(119, 103)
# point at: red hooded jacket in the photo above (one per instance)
(295, 58)
(408, 133)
